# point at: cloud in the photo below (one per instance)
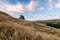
(31, 6)
(12, 8)
(16, 8)
(50, 4)
(19, 7)
(58, 4)
(41, 8)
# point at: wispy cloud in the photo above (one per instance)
(58, 4)
(41, 8)
(50, 4)
(12, 8)
(19, 7)
(31, 6)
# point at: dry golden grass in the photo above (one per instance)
(18, 29)
(13, 31)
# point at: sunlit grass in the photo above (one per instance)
(18, 29)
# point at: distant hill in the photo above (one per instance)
(45, 21)
(18, 29)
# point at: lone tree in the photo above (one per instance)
(21, 17)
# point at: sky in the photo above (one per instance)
(32, 9)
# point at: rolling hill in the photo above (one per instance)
(46, 21)
(18, 29)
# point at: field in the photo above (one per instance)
(18, 29)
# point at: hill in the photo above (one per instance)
(46, 21)
(18, 29)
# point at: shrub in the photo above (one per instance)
(21, 17)
(52, 24)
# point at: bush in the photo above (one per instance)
(21, 17)
(52, 24)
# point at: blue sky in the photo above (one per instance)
(32, 9)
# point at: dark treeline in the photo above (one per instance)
(52, 24)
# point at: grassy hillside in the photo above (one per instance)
(18, 29)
